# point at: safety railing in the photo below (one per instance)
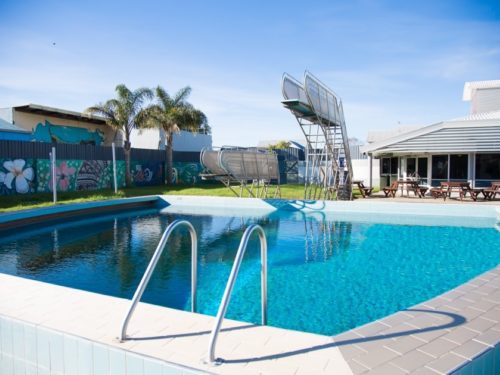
(230, 284)
(151, 267)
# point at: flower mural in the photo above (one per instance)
(17, 174)
(63, 176)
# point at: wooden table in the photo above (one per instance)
(461, 186)
(365, 192)
(491, 192)
(409, 185)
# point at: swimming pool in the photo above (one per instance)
(327, 272)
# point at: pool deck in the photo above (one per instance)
(437, 336)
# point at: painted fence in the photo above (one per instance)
(25, 167)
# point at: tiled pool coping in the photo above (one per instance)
(457, 331)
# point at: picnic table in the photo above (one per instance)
(491, 192)
(411, 185)
(365, 191)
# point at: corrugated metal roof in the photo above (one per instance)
(449, 136)
(380, 135)
(459, 139)
(470, 87)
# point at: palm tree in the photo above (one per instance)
(124, 113)
(173, 114)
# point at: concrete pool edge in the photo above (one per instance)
(30, 216)
(167, 335)
(469, 210)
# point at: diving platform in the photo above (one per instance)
(319, 113)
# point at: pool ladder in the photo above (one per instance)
(229, 286)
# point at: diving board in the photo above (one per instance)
(320, 116)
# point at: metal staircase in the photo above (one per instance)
(321, 118)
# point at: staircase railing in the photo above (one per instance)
(151, 267)
(230, 284)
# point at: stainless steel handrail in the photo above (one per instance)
(152, 264)
(230, 284)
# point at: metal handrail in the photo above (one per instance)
(230, 284)
(152, 264)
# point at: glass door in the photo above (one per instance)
(422, 170)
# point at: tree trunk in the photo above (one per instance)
(169, 150)
(126, 151)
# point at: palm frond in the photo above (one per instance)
(163, 98)
(182, 95)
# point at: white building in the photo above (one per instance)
(462, 149)
(183, 141)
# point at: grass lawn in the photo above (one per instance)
(18, 202)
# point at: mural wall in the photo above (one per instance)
(187, 173)
(17, 176)
(147, 172)
(78, 175)
(25, 176)
(50, 133)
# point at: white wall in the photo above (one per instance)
(361, 171)
(187, 141)
(183, 141)
(485, 100)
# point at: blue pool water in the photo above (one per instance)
(326, 275)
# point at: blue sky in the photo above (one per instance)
(390, 61)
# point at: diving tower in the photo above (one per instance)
(320, 116)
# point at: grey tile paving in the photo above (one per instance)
(438, 347)
(412, 360)
(375, 358)
(460, 335)
(490, 338)
(404, 344)
(446, 363)
(470, 349)
(387, 369)
(480, 324)
(424, 371)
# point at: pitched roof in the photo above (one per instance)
(470, 87)
(7, 126)
(471, 133)
(60, 113)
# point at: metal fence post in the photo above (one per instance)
(114, 166)
(54, 180)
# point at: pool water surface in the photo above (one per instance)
(326, 275)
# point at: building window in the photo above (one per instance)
(440, 167)
(411, 166)
(386, 166)
(487, 166)
(389, 166)
(394, 166)
(459, 166)
(422, 170)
